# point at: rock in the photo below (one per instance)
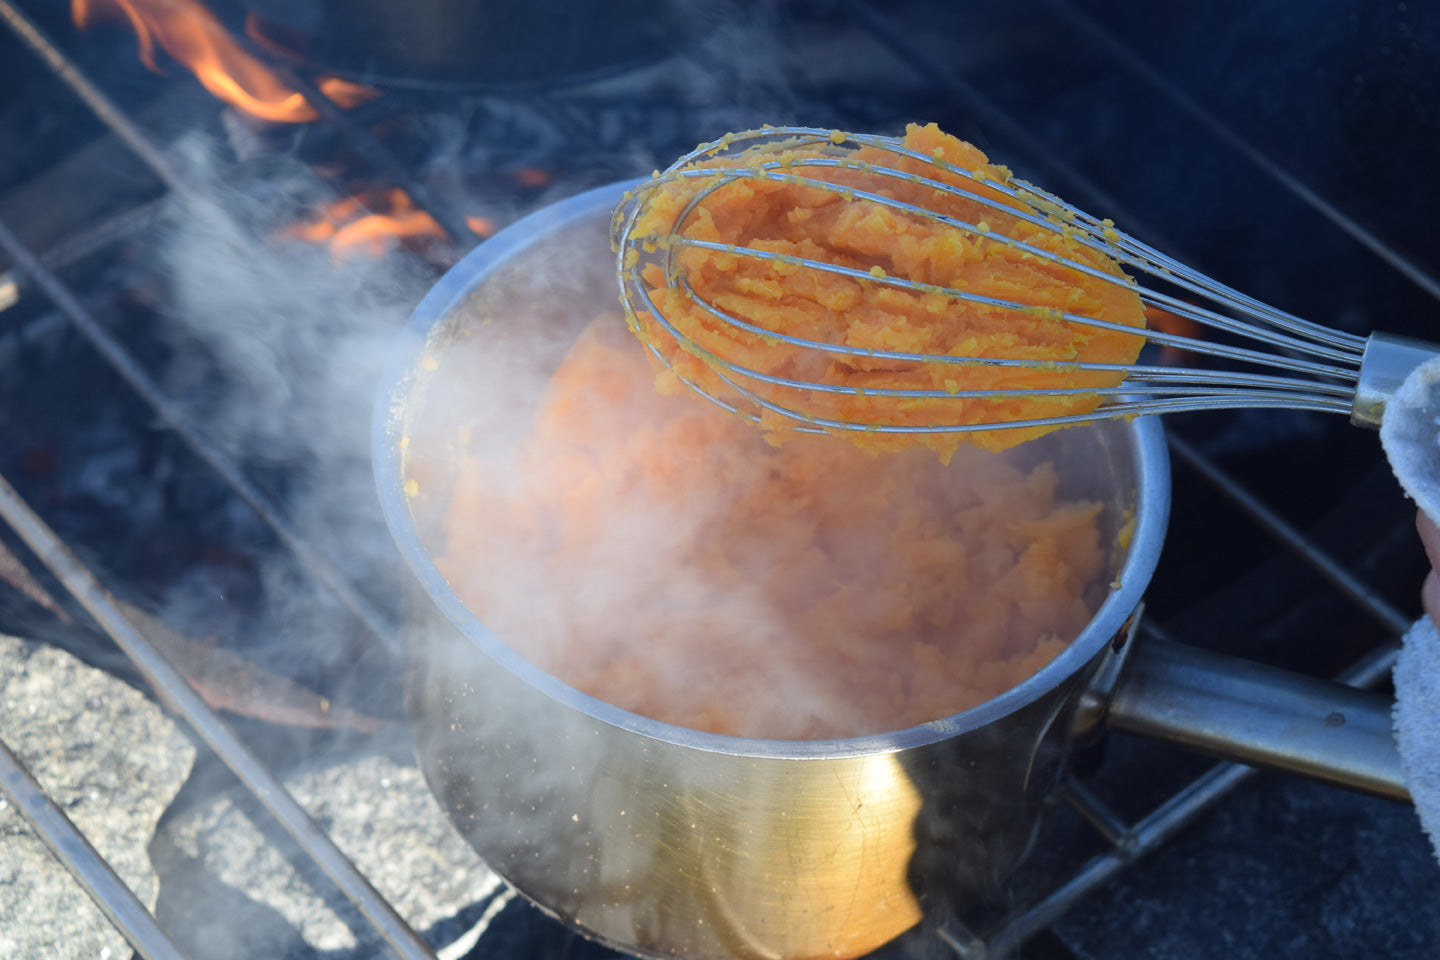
(379, 812)
(113, 761)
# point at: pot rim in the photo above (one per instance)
(403, 372)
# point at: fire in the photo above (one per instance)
(192, 35)
(1167, 322)
(370, 223)
(532, 177)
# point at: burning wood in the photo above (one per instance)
(192, 35)
(227, 681)
(369, 223)
(532, 177)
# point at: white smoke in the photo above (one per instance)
(277, 350)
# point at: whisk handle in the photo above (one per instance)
(1386, 363)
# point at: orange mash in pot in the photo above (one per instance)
(655, 552)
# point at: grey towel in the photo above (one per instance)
(1410, 434)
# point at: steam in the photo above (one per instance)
(277, 348)
(658, 554)
(276, 352)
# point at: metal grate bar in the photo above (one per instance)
(110, 894)
(1129, 844)
(1147, 835)
(1378, 608)
(179, 696)
(82, 245)
(319, 566)
(1098, 814)
(985, 110)
(1127, 56)
(103, 107)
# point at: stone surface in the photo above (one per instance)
(113, 761)
(233, 887)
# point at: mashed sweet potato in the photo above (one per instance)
(831, 225)
(653, 551)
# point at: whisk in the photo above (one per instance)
(1285, 361)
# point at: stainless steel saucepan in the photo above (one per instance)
(668, 842)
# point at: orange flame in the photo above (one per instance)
(349, 229)
(1167, 322)
(532, 177)
(482, 226)
(191, 34)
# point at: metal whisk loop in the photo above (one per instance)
(1164, 339)
(1040, 208)
(1147, 259)
(1110, 243)
(1327, 361)
(1208, 400)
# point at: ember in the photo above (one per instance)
(532, 177)
(370, 224)
(1167, 322)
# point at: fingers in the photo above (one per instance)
(1430, 597)
(1430, 536)
(1430, 592)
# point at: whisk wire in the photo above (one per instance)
(1349, 348)
(1133, 407)
(1196, 399)
(1328, 359)
(1114, 243)
(1153, 380)
(1179, 341)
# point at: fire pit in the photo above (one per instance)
(267, 559)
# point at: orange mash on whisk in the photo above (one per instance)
(779, 295)
(654, 552)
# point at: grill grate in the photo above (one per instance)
(1124, 840)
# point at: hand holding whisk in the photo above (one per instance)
(904, 291)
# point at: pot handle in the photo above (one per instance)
(1258, 715)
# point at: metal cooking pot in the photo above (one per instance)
(669, 842)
